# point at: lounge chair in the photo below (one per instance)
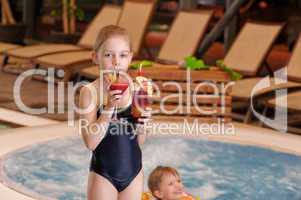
(293, 107)
(186, 32)
(107, 15)
(7, 46)
(294, 97)
(249, 50)
(244, 95)
(135, 17)
(247, 56)
(183, 38)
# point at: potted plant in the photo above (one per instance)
(69, 13)
(10, 30)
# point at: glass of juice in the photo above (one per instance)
(141, 101)
(116, 85)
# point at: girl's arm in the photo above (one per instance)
(141, 137)
(92, 130)
(142, 130)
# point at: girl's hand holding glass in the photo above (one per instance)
(113, 95)
(146, 116)
(114, 98)
(143, 120)
(116, 90)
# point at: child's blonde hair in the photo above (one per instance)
(155, 177)
(110, 31)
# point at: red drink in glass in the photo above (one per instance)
(119, 86)
(142, 96)
(141, 101)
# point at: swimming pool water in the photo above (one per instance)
(210, 170)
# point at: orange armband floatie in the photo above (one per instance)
(188, 197)
(149, 196)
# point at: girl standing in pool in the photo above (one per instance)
(116, 163)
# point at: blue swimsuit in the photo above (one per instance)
(118, 156)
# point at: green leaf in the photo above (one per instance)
(233, 74)
(143, 63)
(192, 63)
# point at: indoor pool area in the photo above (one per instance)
(252, 164)
(202, 95)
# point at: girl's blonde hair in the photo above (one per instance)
(155, 177)
(108, 32)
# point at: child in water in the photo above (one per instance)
(165, 183)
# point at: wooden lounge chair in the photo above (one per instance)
(242, 89)
(247, 56)
(108, 15)
(135, 17)
(293, 107)
(294, 97)
(249, 50)
(183, 39)
(7, 46)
